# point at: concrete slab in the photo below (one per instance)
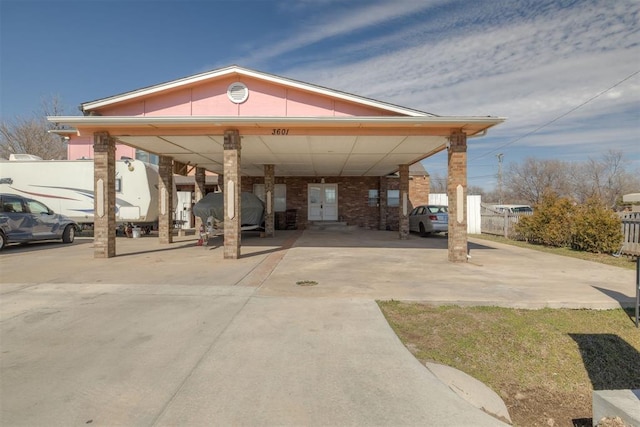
(175, 334)
(471, 390)
(624, 404)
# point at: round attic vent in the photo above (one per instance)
(237, 92)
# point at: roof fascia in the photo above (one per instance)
(453, 121)
(92, 105)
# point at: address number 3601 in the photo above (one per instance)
(280, 132)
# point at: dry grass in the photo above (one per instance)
(543, 363)
(624, 262)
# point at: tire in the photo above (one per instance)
(3, 241)
(69, 234)
(423, 232)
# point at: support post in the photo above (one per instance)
(269, 189)
(200, 180)
(165, 199)
(232, 187)
(404, 208)
(382, 202)
(457, 192)
(104, 186)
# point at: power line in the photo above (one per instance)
(557, 118)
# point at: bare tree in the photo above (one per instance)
(606, 179)
(31, 135)
(438, 184)
(528, 181)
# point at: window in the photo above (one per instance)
(147, 157)
(373, 197)
(279, 196)
(118, 185)
(393, 197)
(37, 207)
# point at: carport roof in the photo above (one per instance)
(312, 146)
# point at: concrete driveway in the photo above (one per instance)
(175, 335)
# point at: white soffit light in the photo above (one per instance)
(237, 92)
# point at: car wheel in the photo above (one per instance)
(422, 231)
(69, 234)
(3, 241)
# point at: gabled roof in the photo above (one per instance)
(234, 69)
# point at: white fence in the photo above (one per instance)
(474, 225)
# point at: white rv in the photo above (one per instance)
(67, 187)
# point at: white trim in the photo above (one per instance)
(87, 106)
(223, 121)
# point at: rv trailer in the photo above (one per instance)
(67, 187)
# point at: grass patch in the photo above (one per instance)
(624, 262)
(543, 363)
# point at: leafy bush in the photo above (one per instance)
(597, 229)
(551, 223)
(558, 222)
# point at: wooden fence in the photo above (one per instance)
(499, 223)
(631, 233)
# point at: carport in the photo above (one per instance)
(349, 137)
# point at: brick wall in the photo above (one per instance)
(353, 198)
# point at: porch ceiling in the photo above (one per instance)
(346, 146)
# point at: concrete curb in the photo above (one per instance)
(471, 390)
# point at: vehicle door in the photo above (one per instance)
(15, 218)
(45, 222)
(414, 219)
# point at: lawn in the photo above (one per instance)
(544, 364)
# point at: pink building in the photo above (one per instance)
(328, 155)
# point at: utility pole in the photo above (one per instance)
(500, 156)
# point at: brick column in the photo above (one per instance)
(232, 188)
(199, 194)
(104, 187)
(457, 192)
(269, 187)
(404, 208)
(382, 202)
(165, 199)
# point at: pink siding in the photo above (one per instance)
(134, 108)
(82, 146)
(303, 104)
(265, 99)
(176, 103)
(210, 99)
(79, 147)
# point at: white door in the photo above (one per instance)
(323, 202)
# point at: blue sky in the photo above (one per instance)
(531, 61)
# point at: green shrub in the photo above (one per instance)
(597, 229)
(558, 222)
(551, 223)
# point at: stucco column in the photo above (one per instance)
(382, 202)
(165, 199)
(232, 208)
(269, 198)
(404, 208)
(457, 192)
(199, 194)
(104, 187)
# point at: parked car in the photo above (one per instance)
(427, 219)
(516, 209)
(25, 220)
